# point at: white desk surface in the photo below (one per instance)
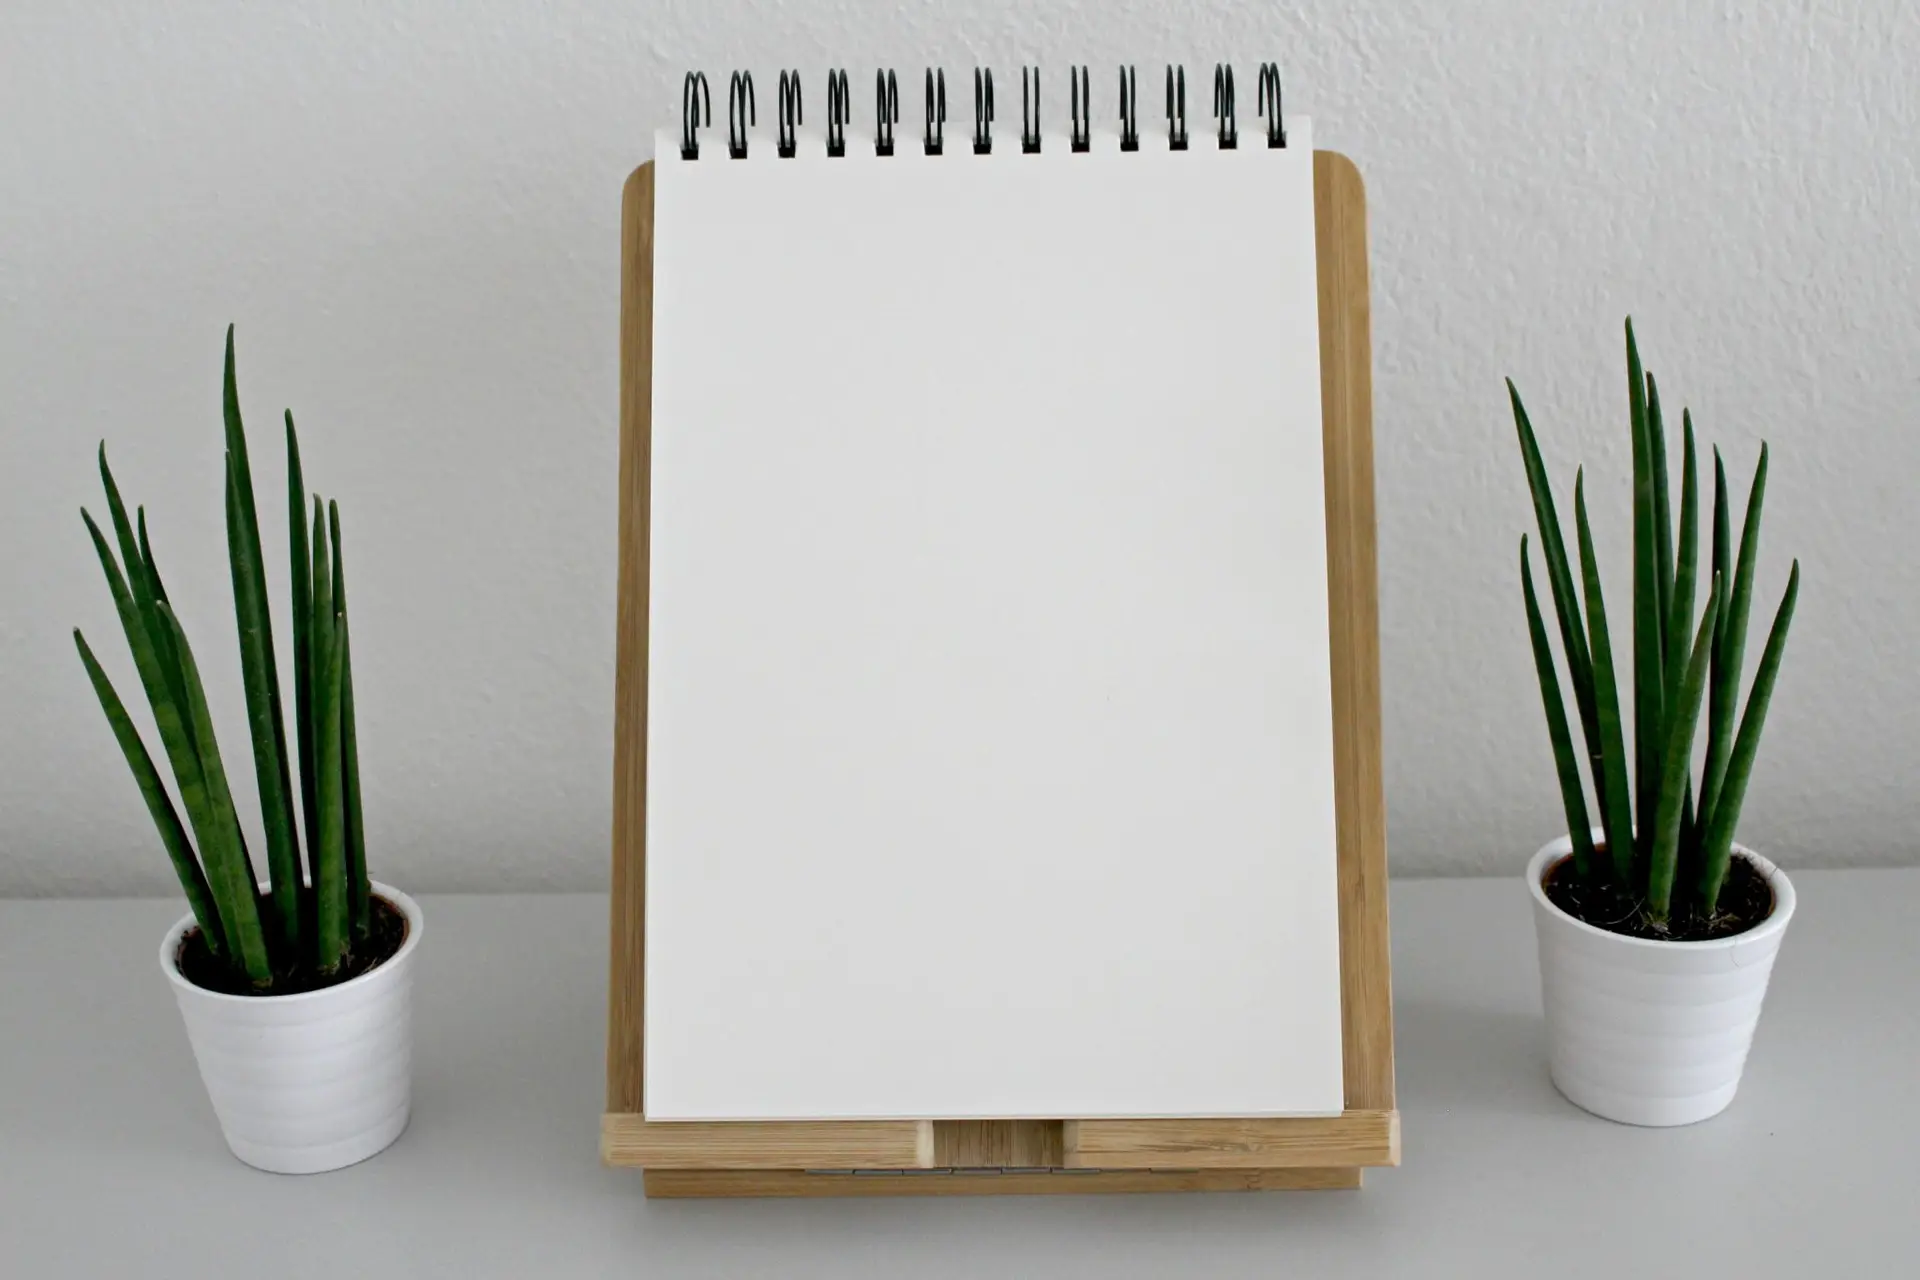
(110, 1163)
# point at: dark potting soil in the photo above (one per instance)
(1746, 899)
(387, 931)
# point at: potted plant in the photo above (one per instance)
(1657, 931)
(296, 995)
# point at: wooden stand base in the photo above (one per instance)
(680, 1184)
(999, 1157)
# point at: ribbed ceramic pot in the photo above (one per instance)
(1647, 1032)
(309, 1082)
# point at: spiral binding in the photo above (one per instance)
(1229, 128)
(693, 96)
(1267, 103)
(1176, 110)
(839, 111)
(936, 112)
(1029, 124)
(886, 111)
(1082, 108)
(740, 113)
(696, 111)
(982, 111)
(786, 137)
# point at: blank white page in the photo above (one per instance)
(989, 735)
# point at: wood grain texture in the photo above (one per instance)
(997, 1144)
(669, 1184)
(633, 1141)
(1354, 1139)
(1302, 1153)
(1359, 793)
(627, 968)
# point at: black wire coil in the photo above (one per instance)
(982, 111)
(696, 111)
(936, 112)
(786, 140)
(1267, 103)
(1229, 127)
(693, 96)
(886, 111)
(839, 111)
(1176, 108)
(1082, 97)
(1029, 121)
(740, 113)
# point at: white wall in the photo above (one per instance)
(411, 211)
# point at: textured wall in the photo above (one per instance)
(411, 211)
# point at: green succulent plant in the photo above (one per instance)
(302, 930)
(1667, 840)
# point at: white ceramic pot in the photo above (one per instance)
(1646, 1032)
(309, 1082)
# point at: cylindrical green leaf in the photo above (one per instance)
(302, 636)
(248, 529)
(146, 556)
(1682, 717)
(320, 635)
(1662, 514)
(359, 892)
(359, 886)
(1731, 650)
(1679, 615)
(142, 580)
(260, 669)
(1566, 601)
(130, 553)
(269, 744)
(332, 923)
(1649, 680)
(170, 713)
(172, 835)
(229, 871)
(1719, 719)
(1616, 813)
(320, 602)
(1579, 826)
(1717, 846)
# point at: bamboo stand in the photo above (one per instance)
(989, 1157)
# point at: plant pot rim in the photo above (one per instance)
(1776, 921)
(170, 951)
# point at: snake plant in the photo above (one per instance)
(1668, 840)
(302, 929)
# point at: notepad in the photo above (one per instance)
(989, 761)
